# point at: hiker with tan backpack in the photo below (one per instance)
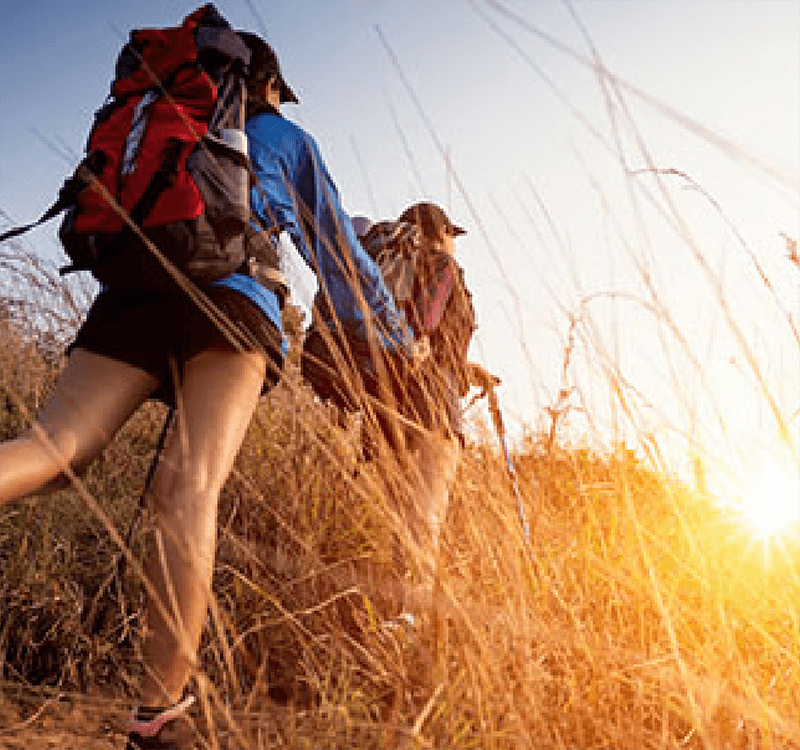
(420, 415)
(162, 212)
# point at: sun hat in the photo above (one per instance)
(431, 219)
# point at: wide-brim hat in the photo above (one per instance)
(431, 219)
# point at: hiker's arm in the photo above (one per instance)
(480, 377)
(295, 193)
(342, 264)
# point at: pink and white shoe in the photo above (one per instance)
(153, 728)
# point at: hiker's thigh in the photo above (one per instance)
(218, 396)
(93, 397)
(437, 457)
(439, 454)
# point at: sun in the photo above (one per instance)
(770, 498)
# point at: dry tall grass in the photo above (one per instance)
(639, 614)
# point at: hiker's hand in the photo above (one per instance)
(480, 377)
(418, 353)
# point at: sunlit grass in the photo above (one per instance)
(639, 614)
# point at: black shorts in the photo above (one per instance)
(423, 399)
(145, 329)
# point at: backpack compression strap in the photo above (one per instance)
(67, 196)
(54, 210)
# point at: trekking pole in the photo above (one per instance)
(148, 483)
(488, 382)
(497, 418)
(119, 571)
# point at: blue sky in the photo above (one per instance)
(555, 223)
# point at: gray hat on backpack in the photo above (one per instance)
(361, 225)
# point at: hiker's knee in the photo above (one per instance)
(60, 447)
(178, 489)
(51, 459)
(184, 500)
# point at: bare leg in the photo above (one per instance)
(435, 460)
(93, 398)
(219, 395)
(438, 461)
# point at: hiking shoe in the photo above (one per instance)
(155, 728)
(403, 621)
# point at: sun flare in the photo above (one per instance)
(770, 498)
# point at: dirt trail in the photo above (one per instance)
(37, 721)
(48, 719)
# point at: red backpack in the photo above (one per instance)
(166, 159)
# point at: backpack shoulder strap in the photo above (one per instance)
(433, 310)
(447, 313)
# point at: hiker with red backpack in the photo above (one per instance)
(162, 212)
(422, 422)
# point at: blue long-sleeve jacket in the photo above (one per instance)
(295, 192)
